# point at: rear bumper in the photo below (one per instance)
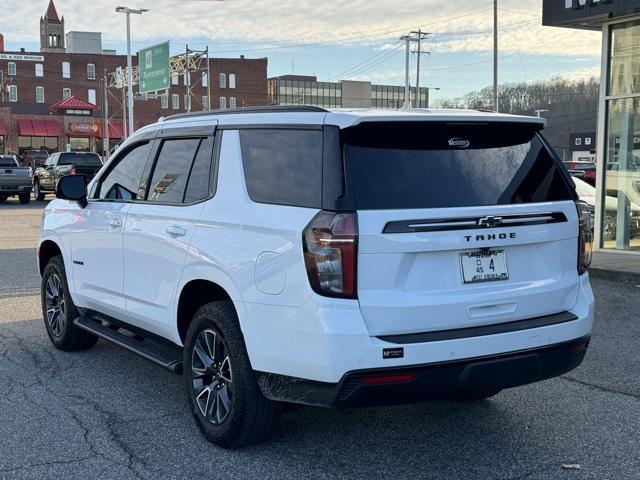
(7, 190)
(444, 380)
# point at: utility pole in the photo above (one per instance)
(208, 80)
(495, 55)
(419, 36)
(105, 124)
(187, 80)
(407, 99)
(128, 11)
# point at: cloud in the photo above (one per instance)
(260, 25)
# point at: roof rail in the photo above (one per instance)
(234, 111)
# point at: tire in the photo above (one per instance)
(38, 194)
(24, 198)
(246, 417)
(476, 396)
(55, 298)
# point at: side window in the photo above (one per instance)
(171, 171)
(200, 176)
(124, 181)
(283, 167)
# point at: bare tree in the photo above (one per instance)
(572, 105)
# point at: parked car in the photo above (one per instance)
(333, 258)
(34, 158)
(587, 194)
(58, 165)
(586, 170)
(14, 179)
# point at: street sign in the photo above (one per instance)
(154, 68)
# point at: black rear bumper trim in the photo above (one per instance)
(434, 381)
(480, 331)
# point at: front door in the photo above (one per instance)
(97, 242)
(157, 233)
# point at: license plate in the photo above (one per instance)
(484, 266)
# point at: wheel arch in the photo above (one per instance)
(195, 294)
(46, 251)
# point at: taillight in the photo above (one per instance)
(330, 244)
(585, 237)
(30, 174)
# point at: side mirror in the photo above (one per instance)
(72, 187)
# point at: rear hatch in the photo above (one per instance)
(460, 225)
(86, 164)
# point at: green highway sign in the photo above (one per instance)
(154, 68)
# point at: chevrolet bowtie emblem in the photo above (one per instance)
(489, 221)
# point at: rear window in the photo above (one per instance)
(433, 165)
(79, 159)
(283, 167)
(8, 162)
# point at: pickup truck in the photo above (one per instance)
(14, 179)
(60, 164)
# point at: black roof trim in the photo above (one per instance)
(264, 109)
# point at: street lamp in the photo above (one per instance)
(128, 11)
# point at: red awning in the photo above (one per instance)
(39, 128)
(116, 130)
(3, 127)
(72, 103)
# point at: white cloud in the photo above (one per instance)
(283, 23)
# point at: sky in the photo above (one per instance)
(337, 39)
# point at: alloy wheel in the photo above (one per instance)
(56, 307)
(212, 377)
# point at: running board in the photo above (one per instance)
(147, 351)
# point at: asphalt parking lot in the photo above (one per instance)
(106, 413)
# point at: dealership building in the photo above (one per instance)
(618, 136)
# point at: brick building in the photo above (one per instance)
(34, 81)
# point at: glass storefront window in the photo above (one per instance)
(624, 59)
(1, 144)
(79, 144)
(37, 143)
(620, 208)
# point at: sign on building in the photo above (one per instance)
(21, 58)
(154, 68)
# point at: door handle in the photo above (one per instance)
(176, 231)
(115, 223)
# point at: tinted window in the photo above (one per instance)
(8, 162)
(200, 176)
(124, 181)
(172, 170)
(428, 165)
(283, 166)
(79, 159)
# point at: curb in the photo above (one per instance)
(614, 275)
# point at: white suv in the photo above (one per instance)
(337, 258)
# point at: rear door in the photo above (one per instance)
(460, 224)
(158, 231)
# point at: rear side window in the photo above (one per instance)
(283, 167)
(434, 165)
(198, 186)
(124, 181)
(171, 172)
